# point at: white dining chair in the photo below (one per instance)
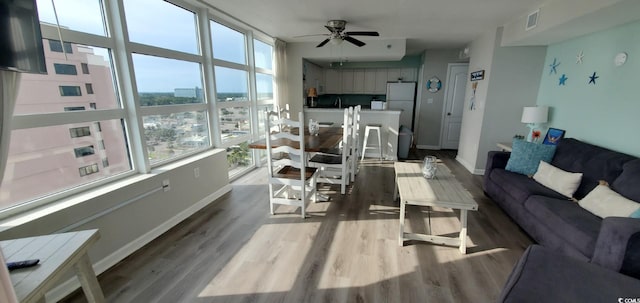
(355, 143)
(290, 181)
(334, 168)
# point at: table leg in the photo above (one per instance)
(88, 280)
(395, 191)
(463, 231)
(401, 235)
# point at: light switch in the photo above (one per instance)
(430, 101)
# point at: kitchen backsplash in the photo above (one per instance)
(328, 100)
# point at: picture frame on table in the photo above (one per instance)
(553, 136)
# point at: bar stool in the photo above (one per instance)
(365, 144)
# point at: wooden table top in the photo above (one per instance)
(327, 139)
(442, 191)
(57, 253)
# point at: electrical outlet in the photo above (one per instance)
(196, 172)
(166, 186)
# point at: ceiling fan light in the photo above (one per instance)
(336, 41)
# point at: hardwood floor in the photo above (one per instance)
(346, 251)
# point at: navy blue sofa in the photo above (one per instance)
(560, 224)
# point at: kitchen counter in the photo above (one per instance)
(389, 119)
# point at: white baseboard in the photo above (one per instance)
(432, 147)
(469, 167)
(101, 266)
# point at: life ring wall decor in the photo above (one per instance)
(434, 84)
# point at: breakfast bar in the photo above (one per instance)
(388, 119)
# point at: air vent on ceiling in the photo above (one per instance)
(532, 20)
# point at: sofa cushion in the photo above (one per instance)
(520, 186)
(604, 202)
(557, 179)
(574, 225)
(627, 184)
(542, 275)
(526, 156)
(594, 162)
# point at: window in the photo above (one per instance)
(175, 75)
(172, 135)
(85, 68)
(70, 91)
(78, 15)
(234, 122)
(153, 29)
(228, 44)
(171, 87)
(84, 151)
(264, 86)
(263, 54)
(88, 170)
(89, 88)
(56, 46)
(77, 132)
(65, 69)
(231, 84)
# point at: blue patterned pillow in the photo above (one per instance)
(526, 156)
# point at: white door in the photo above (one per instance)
(455, 87)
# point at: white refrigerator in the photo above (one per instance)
(402, 96)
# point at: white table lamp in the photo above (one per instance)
(534, 116)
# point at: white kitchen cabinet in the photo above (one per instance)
(370, 80)
(358, 81)
(333, 81)
(347, 81)
(393, 74)
(381, 81)
(313, 77)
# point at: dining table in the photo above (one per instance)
(325, 141)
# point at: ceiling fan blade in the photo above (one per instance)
(323, 43)
(373, 34)
(312, 35)
(354, 41)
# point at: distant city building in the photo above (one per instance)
(188, 92)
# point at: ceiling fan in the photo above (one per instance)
(337, 35)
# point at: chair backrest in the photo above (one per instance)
(355, 133)
(347, 135)
(285, 148)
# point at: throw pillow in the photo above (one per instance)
(557, 179)
(604, 202)
(526, 156)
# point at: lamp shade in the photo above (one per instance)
(312, 92)
(535, 114)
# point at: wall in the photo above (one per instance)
(560, 20)
(481, 56)
(511, 82)
(429, 116)
(130, 227)
(606, 113)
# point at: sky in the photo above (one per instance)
(165, 25)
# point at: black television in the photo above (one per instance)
(20, 37)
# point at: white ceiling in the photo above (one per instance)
(426, 24)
